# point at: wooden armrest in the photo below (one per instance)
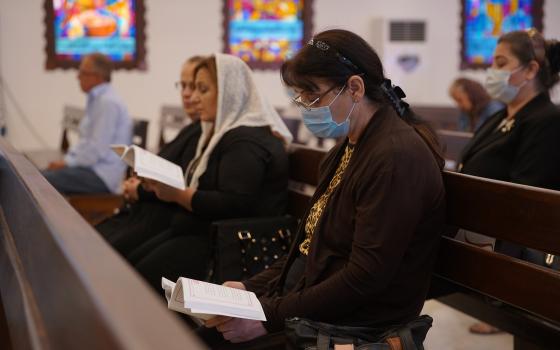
(95, 208)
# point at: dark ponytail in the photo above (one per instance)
(335, 55)
(552, 49)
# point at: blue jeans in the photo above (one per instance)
(70, 180)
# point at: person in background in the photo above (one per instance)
(91, 166)
(240, 170)
(364, 253)
(145, 215)
(473, 101)
(520, 143)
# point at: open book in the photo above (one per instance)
(203, 300)
(151, 166)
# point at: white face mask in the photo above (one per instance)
(498, 87)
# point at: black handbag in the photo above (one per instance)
(245, 247)
(311, 335)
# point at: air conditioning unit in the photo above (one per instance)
(401, 45)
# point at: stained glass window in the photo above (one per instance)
(484, 21)
(266, 32)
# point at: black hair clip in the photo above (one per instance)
(323, 46)
(395, 94)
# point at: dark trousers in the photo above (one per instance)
(172, 256)
(136, 224)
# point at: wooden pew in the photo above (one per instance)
(304, 176)
(95, 208)
(61, 285)
(172, 118)
(519, 297)
(440, 117)
(452, 143)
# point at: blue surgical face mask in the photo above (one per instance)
(498, 87)
(320, 122)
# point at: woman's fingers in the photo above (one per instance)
(230, 336)
(235, 284)
(225, 327)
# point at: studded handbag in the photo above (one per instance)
(245, 247)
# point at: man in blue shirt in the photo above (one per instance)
(91, 166)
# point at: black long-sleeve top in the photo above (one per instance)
(149, 215)
(373, 250)
(528, 153)
(246, 176)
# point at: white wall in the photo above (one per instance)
(177, 29)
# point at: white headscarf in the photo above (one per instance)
(239, 104)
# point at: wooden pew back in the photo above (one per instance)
(172, 118)
(72, 116)
(61, 285)
(528, 294)
(304, 177)
(440, 117)
(453, 142)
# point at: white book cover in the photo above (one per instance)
(205, 300)
(151, 166)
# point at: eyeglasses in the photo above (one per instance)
(298, 100)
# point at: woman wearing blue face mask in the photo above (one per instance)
(364, 252)
(520, 143)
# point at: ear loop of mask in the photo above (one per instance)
(351, 109)
(518, 69)
(338, 94)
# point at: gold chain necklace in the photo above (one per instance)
(317, 208)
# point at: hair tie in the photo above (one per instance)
(395, 94)
(553, 56)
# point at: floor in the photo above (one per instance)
(450, 331)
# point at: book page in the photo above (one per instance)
(202, 300)
(174, 296)
(167, 286)
(209, 298)
(119, 149)
(217, 293)
(151, 166)
(147, 164)
(125, 152)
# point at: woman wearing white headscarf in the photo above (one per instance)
(240, 170)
